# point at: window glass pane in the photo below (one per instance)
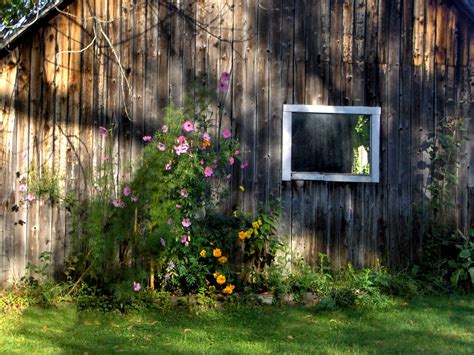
(330, 143)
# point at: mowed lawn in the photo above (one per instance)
(429, 325)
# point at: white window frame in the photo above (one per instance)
(372, 112)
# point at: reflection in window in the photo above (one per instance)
(330, 143)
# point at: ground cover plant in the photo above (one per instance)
(428, 325)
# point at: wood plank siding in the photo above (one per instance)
(412, 58)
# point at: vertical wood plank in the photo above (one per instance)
(61, 147)
(74, 172)
(393, 116)
(261, 157)
(404, 131)
(176, 56)
(427, 97)
(248, 136)
(48, 131)
(139, 75)
(20, 149)
(417, 129)
(276, 99)
(126, 126)
(286, 84)
(8, 96)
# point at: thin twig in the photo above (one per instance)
(79, 51)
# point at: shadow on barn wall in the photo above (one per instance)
(64, 82)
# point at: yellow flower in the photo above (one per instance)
(242, 235)
(249, 232)
(220, 279)
(241, 188)
(206, 143)
(216, 274)
(222, 260)
(228, 289)
(203, 253)
(255, 225)
(217, 252)
(260, 222)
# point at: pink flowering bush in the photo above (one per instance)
(166, 214)
(182, 178)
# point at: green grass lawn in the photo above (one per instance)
(430, 325)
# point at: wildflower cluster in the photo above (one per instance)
(27, 195)
(220, 280)
(183, 175)
(181, 167)
(159, 220)
(258, 235)
(216, 261)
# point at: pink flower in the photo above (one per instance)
(169, 221)
(223, 86)
(118, 203)
(147, 138)
(226, 133)
(168, 166)
(181, 149)
(22, 188)
(227, 177)
(206, 136)
(30, 197)
(231, 161)
(201, 162)
(133, 198)
(225, 76)
(188, 126)
(184, 193)
(164, 129)
(185, 240)
(186, 222)
(127, 191)
(103, 131)
(178, 205)
(136, 286)
(236, 152)
(161, 146)
(214, 164)
(244, 164)
(181, 139)
(208, 172)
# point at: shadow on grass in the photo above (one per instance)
(436, 325)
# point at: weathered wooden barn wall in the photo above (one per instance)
(415, 59)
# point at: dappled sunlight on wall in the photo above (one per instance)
(411, 58)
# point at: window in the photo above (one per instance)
(331, 143)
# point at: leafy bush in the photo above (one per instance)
(446, 260)
(332, 288)
(462, 267)
(35, 288)
(164, 228)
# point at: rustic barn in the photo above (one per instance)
(87, 63)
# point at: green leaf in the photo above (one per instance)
(455, 277)
(471, 273)
(466, 253)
